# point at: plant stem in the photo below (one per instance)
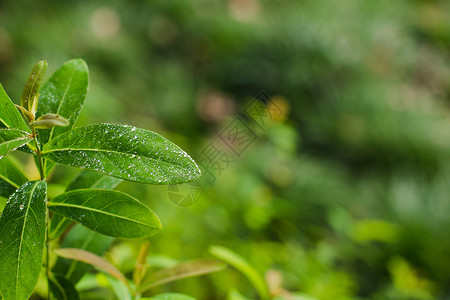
(47, 241)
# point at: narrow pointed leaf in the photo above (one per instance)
(123, 151)
(64, 94)
(108, 212)
(11, 139)
(92, 259)
(31, 90)
(242, 266)
(9, 115)
(49, 121)
(180, 271)
(22, 237)
(82, 238)
(11, 177)
(62, 289)
(85, 180)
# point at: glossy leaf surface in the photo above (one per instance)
(180, 271)
(244, 267)
(11, 177)
(22, 237)
(11, 139)
(82, 238)
(123, 151)
(9, 115)
(92, 259)
(84, 180)
(62, 289)
(64, 94)
(108, 212)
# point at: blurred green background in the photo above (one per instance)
(346, 194)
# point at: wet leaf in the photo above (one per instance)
(62, 289)
(22, 237)
(123, 151)
(242, 266)
(108, 212)
(94, 260)
(180, 271)
(11, 139)
(64, 94)
(84, 180)
(11, 177)
(9, 115)
(49, 121)
(31, 89)
(83, 238)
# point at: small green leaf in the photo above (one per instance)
(123, 151)
(85, 180)
(170, 296)
(22, 237)
(9, 115)
(11, 139)
(31, 90)
(94, 260)
(83, 238)
(11, 177)
(62, 289)
(180, 271)
(64, 94)
(121, 290)
(242, 266)
(108, 212)
(49, 121)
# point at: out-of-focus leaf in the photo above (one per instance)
(11, 139)
(11, 177)
(22, 237)
(180, 271)
(93, 259)
(123, 151)
(141, 264)
(121, 291)
(84, 180)
(108, 212)
(170, 296)
(62, 289)
(83, 238)
(31, 89)
(9, 115)
(64, 94)
(244, 267)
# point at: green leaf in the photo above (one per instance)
(49, 121)
(86, 179)
(31, 90)
(121, 290)
(108, 212)
(9, 115)
(170, 296)
(94, 260)
(82, 238)
(125, 152)
(62, 289)
(180, 271)
(242, 266)
(22, 237)
(11, 139)
(64, 94)
(11, 177)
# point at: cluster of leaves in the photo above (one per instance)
(114, 151)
